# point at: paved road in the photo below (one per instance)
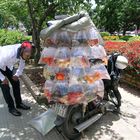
(119, 127)
(17, 128)
(110, 127)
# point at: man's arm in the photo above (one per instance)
(3, 79)
(20, 68)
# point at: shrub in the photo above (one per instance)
(130, 49)
(105, 34)
(126, 38)
(12, 37)
(114, 46)
(110, 38)
(134, 38)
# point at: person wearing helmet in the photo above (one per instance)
(116, 63)
(10, 55)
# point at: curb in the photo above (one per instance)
(30, 86)
(28, 68)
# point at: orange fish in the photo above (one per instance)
(48, 60)
(60, 76)
(92, 78)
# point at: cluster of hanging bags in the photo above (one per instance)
(70, 77)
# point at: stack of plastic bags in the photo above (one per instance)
(68, 46)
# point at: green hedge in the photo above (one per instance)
(105, 34)
(126, 38)
(134, 38)
(12, 37)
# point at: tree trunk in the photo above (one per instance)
(36, 25)
(36, 41)
(124, 31)
(125, 28)
(35, 35)
(37, 54)
(137, 29)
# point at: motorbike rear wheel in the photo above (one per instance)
(74, 113)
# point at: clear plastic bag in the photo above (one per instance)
(50, 72)
(92, 42)
(75, 75)
(97, 51)
(80, 36)
(100, 85)
(60, 89)
(96, 72)
(62, 63)
(62, 74)
(75, 88)
(56, 73)
(58, 38)
(91, 33)
(78, 51)
(94, 91)
(52, 39)
(64, 38)
(47, 56)
(62, 53)
(102, 70)
(75, 95)
(90, 91)
(72, 98)
(92, 36)
(79, 62)
(87, 36)
(62, 57)
(100, 90)
(48, 90)
(78, 72)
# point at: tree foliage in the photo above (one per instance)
(42, 10)
(116, 15)
(35, 13)
(6, 18)
(111, 15)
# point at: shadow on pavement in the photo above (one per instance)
(101, 127)
(14, 128)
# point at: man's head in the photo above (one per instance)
(26, 50)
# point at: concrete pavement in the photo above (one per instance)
(17, 128)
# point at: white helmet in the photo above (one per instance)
(121, 62)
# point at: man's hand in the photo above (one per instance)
(15, 78)
(5, 82)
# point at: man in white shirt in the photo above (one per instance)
(9, 55)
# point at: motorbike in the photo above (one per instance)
(78, 87)
(74, 119)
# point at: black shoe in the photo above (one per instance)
(23, 106)
(15, 112)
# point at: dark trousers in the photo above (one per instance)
(6, 89)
